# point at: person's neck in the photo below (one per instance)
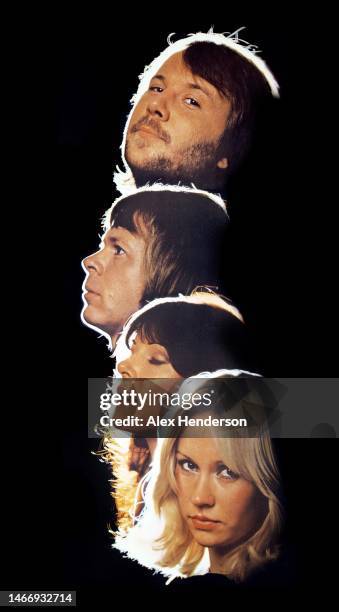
(219, 558)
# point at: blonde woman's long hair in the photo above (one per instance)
(175, 552)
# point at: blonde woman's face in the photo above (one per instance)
(221, 508)
(147, 361)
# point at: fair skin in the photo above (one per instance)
(147, 361)
(115, 281)
(221, 508)
(178, 122)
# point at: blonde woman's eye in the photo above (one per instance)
(225, 472)
(192, 102)
(186, 465)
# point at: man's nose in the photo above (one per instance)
(92, 263)
(158, 106)
(202, 494)
(126, 369)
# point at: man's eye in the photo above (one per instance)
(118, 250)
(156, 88)
(225, 472)
(192, 102)
(187, 466)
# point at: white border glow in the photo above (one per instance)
(156, 187)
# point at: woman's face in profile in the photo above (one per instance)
(220, 507)
(147, 361)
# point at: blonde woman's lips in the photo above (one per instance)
(204, 523)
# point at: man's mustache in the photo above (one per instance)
(153, 125)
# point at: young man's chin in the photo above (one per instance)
(91, 319)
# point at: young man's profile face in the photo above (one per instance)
(115, 280)
(177, 124)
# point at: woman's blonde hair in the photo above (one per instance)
(117, 453)
(175, 550)
(128, 464)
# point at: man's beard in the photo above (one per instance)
(198, 165)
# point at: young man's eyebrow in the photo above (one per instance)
(124, 234)
(108, 238)
(159, 76)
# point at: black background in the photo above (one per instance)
(279, 265)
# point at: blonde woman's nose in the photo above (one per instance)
(202, 494)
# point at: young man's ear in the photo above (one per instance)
(223, 163)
